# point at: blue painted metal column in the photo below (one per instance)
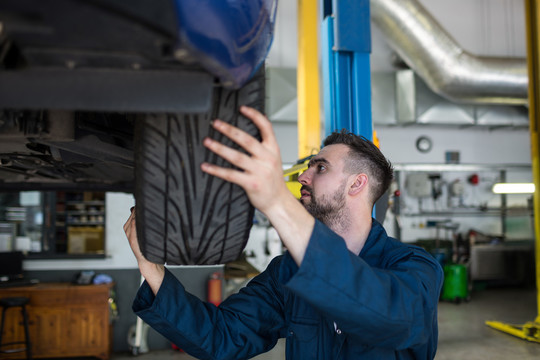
(346, 46)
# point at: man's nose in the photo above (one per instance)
(304, 178)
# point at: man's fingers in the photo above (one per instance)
(240, 137)
(130, 223)
(230, 175)
(233, 156)
(245, 140)
(131, 233)
(263, 124)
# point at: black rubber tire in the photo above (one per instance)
(185, 216)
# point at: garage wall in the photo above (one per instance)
(475, 145)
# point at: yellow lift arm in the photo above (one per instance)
(291, 175)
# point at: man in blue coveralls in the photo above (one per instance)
(343, 289)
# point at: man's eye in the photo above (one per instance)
(321, 168)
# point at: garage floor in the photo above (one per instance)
(462, 332)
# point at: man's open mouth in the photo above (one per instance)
(304, 194)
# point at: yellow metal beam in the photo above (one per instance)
(309, 128)
(528, 331)
(532, 11)
(531, 330)
(291, 176)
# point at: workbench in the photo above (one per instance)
(65, 320)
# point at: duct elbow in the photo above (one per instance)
(446, 68)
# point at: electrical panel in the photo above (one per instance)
(418, 184)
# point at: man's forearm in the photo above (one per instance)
(294, 226)
(153, 274)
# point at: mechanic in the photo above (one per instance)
(343, 289)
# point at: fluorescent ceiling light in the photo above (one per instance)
(513, 188)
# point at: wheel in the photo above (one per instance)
(185, 216)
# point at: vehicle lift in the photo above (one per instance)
(531, 330)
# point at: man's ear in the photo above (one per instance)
(359, 184)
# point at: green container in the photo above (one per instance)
(455, 287)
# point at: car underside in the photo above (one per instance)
(117, 95)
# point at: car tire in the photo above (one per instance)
(185, 216)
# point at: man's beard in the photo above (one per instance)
(329, 209)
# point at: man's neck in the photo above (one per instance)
(357, 233)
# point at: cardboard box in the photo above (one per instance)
(86, 240)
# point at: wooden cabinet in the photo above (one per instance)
(65, 320)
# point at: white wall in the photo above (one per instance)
(475, 145)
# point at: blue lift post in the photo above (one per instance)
(345, 48)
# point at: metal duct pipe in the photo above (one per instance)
(448, 70)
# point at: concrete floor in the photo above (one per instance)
(462, 330)
(464, 335)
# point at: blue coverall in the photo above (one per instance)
(381, 304)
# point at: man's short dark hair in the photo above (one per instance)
(365, 157)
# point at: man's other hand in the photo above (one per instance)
(153, 273)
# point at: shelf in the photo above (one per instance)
(459, 167)
(82, 220)
(88, 223)
(84, 212)
(460, 193)
(89, 203)
(467, 212)
(66, 256)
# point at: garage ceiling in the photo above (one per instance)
(492, 28)
(482, 27)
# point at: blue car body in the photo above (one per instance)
(234, 39)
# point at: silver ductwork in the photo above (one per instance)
(447, 69)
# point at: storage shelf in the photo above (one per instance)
(459, 167)
(450, 188)
(45, 255)
(77, 218)
(465, 212)
(88, 223)
(89, 203)
(84, 212)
